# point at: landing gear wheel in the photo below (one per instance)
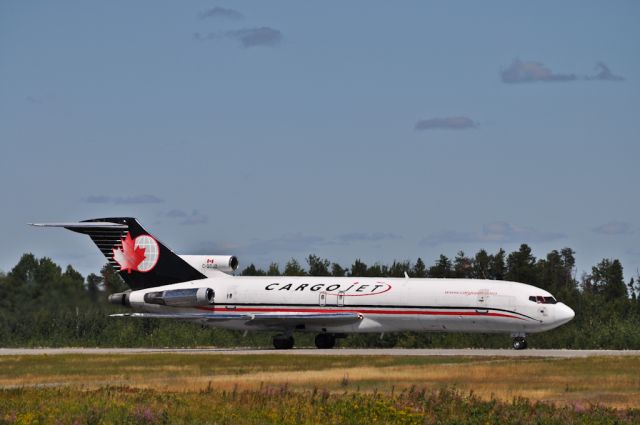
(519, 343)
(325, 341)
(282, 342)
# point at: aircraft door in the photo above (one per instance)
(331, 299)
(482, 301)
(231, 299)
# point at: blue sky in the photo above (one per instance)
(373, 130)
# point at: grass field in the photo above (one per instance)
(183, 388)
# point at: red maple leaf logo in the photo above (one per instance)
(129, 256)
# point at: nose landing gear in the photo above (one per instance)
(519, 343)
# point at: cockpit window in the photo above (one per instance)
(542, 300)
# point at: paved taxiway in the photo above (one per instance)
(334, 352)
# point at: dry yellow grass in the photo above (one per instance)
(614, 382)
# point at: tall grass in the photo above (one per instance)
(609, 381)
(280, 405)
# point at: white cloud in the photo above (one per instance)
(447, 123)
(614, 228)
(499, 231)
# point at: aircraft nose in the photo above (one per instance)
(564, 313)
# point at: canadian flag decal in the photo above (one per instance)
(139, 254)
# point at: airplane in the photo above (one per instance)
(202, 288)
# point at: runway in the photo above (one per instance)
(469, 352)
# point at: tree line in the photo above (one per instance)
(42, 304)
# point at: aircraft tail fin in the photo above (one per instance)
(141, 260)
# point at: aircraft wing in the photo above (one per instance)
(265, 320)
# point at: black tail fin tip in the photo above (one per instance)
(141, 260)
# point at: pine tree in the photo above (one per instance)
(497, 267)
(318, 266)
(419, 269)
(521, 266)
(274, 270)
(463, 266)
(377, 270)
(293, 268)
(481, 264)
(608, 280)
(442, 268)
(358, 269)
(112, 281)
(398, 269)
(337, 270)
(251, 270)
(94, 283)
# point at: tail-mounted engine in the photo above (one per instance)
(208, 264)
(191, 297)
(188, 297)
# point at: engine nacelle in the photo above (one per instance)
(205, 264)
(189, 297)
(121, 298)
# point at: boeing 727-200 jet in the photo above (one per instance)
(202, 288)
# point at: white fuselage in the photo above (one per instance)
(385, 304)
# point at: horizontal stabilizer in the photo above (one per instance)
(84, 225)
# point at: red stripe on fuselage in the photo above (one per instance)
(364, 311)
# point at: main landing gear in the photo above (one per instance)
(325, 340)
(283, 342)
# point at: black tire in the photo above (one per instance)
(283, 342)
(325, 341)
(519, 343)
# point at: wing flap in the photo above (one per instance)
(295, 320)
